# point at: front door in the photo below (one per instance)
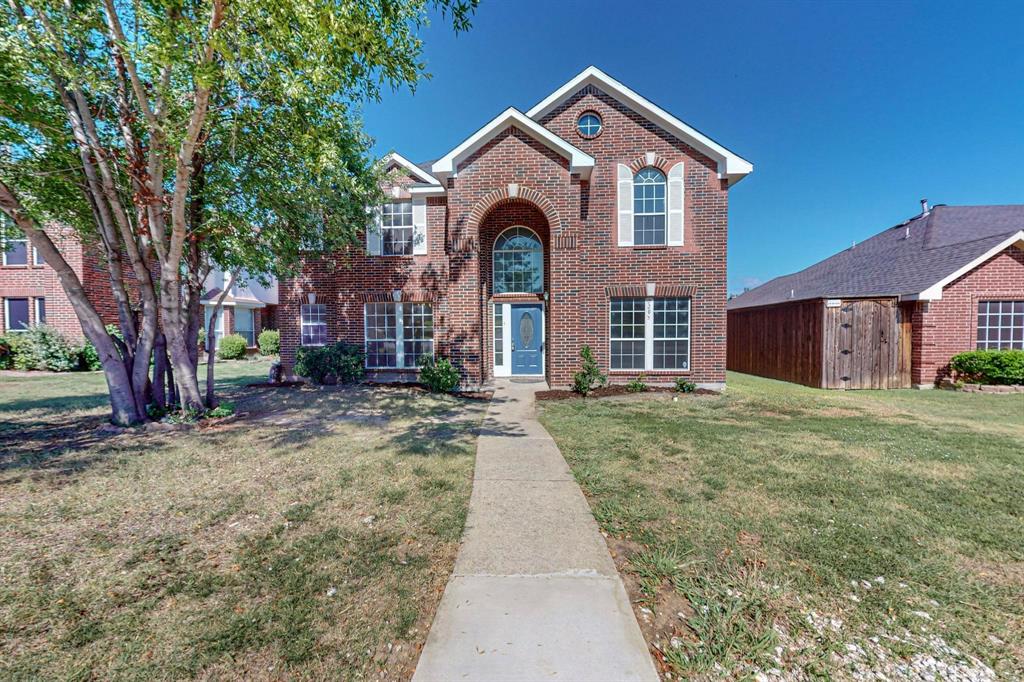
(527, 338)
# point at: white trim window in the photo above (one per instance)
(398, 334)
(16, 314)
(1001, 325)
(313, 320)
(650, 334)
(40, 310)
(518, 262)
(15, 251)
(649, 186)
(396, 229)
(244, 325)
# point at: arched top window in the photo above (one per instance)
(518, 262)
(649, 207)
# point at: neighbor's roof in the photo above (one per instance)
(912, 260)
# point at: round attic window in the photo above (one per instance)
(589, 125)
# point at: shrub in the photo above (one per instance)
(340, 361)
(6, 353)
(684, 386)
(439, 375)
(269, 342)
(88, 358)
(589, 376)
(232, 347)
(637, 385)
(225, 409)
(989, 366)
(43, 348)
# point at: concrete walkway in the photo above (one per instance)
(534, 594)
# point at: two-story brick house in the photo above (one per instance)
(595, 218)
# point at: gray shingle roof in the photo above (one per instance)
(902, 260)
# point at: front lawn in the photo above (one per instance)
(789, 531)
(309, 538)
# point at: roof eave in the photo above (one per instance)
(934, 292)
(731, 167)
(414, 170)
(579, 161)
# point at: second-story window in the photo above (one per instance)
(15, 249)
(396, 229)
(649, 207)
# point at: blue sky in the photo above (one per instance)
(850, 112)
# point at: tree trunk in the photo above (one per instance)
(160, 371)
(123, 400)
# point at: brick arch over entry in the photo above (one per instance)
(514, 193)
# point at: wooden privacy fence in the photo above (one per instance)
(864, 345)
(847, 344)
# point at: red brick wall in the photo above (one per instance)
(577, 221)
(943, 328)
(40, 281)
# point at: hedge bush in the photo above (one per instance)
(232, 347)
(989, 366)
(269, 341)
(43, 348)
(439, 375)
(341, 362)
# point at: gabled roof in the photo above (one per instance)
(414, 170)
(579, 161)
(913, 260)
(731, 166)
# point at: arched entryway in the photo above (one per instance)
(514, 239)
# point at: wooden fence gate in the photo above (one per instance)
(866, 345)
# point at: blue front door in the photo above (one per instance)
(527, 339)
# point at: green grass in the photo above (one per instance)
(771, 510)
(309, 538)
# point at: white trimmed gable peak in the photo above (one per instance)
(731, 167)
(579, 161)
(396, 159)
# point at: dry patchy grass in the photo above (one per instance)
(310, 538)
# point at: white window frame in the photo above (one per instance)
(496, 251)
(36, 258)
(7, 314)
(649, 337)
(28, 256)
(384, 229)
(664, 200)
(998, 344)
(398, 310)
(303, 323)
(39, 306)
(252, 326)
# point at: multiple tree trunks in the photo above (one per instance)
(842, 344)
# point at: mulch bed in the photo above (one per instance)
(615, 390)
(420, 388)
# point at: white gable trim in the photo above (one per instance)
(416, 171)
(579, 161)
(934, 292)
(730, 166)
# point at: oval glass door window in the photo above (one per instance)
(526, 330)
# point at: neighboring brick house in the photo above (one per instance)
(31, 294)
(948, 280)
(595, 218)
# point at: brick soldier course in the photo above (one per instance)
(574, 190)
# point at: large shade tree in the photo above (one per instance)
(179, 135)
